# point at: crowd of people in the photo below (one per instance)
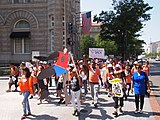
(84, 77)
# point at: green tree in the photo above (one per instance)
(123, 25)
(108, 45)
(87, 42)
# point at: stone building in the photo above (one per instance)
(95, 29)
(154, 47)
(37, 27)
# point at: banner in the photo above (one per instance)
(35, 53)
(116, 87)
(96, 53)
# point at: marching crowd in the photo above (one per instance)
(83, 77)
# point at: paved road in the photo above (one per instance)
(155, 78)
(11, 108)
(155, 82)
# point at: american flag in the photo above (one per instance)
(86, 22)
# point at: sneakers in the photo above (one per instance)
(115, 114)
(8, 90)
(109, 94)
(15, 90)
(78, 113)
(60, 101)
(29, 114)
(95, 105)
(136, 111)
(75, 111)
(120, 110)
(23, 117)
(31, 97)
(140, 111)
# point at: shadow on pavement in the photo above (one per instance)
(42, 117)
(85, 112)
(144, 115)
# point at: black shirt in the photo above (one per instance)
(75, 84)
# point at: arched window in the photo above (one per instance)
(22, 24)
(21, 37)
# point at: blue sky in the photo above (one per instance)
(150, 32)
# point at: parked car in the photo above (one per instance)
(157, 59)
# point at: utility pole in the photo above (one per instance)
(65, 25)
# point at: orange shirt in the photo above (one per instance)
(128, 77)
(94, 75)
(146, 69)
(134, 69)
(26, 84)
(34, 78)
(69, 76)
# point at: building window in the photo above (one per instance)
(21, 1)
(63, 23)
(52, 41)
(22, 24)
(52, 18)
(52, 21)
(52, 24)
(21, 45)
(21, 38)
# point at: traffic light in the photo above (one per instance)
(70, 27)
(69, 41)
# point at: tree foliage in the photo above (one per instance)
(108, 45)
(87, 42)
(123, 25)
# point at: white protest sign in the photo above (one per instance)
(96, 53)
(34, 53)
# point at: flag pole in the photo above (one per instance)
(75, 67)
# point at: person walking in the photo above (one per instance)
(94, 77)
(118, 92)
(146, 69)
(26, 88)
(84, 76)
(14, 73)
(128, 79)
(75, 92)
(139, 81)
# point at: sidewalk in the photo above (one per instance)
(155, 96)
(11, 108)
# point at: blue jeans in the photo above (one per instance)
(26, 102)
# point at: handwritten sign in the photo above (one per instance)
(96, 53)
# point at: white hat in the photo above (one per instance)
(109, 65)
(107, 62)
(71, 65)
(45, 62)
(118, 66)
(135, 62)
(41, 62)
(81, 61)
